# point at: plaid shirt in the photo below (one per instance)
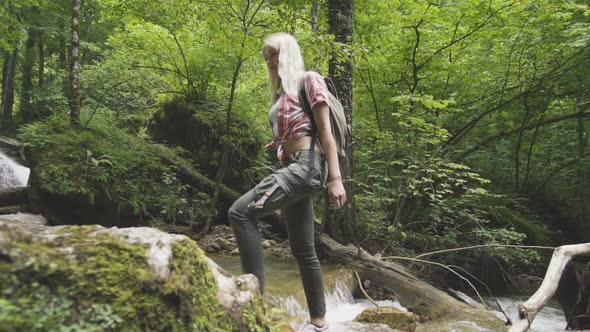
(293, 121)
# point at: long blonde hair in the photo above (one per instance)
(290, 68)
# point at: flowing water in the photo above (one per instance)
(284, 294)
(549, 319)
(11, 173)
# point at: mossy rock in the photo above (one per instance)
(99, 174)
(393, 317)
(93, 278)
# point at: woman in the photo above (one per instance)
(291, 187)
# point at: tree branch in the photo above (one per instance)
(482, 246)
(517, 130)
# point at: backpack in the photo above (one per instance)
(341, 130)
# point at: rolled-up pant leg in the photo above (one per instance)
(300, 221)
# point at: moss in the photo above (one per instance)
(105, 168)
(393, 317)
(104, 284)
(256, 319)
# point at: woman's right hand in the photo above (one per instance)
(336, 193)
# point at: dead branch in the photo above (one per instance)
(529, 309)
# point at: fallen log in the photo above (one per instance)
(12, 209)
(14, 196)
(560, 259)
(197, 179)
(416, 295)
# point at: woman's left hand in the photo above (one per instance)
(336, 193)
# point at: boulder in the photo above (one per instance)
(118, 279)
(390, 316)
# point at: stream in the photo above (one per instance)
(284, 295)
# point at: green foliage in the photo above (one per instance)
(104, 163)
(426, 203)
(432, 81)
(200, 130)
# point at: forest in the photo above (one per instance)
(469, 118)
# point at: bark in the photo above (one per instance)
(518, 146)
(41, 59)
(26, 104)
(340, 224)
(560, 259)
(40, 106)
(75, 64)
(315, 10)
(8, 75)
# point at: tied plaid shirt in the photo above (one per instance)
(293, 121)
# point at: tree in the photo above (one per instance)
(341, 224)
(247, 17)
(75, 63)
(9, 68)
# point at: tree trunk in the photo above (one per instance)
(75, 64)
(40, 105)
(340, 224)
(41, 59)
(8, 75)
(63, 58)
(518, 145)
(223, 163)
(315, 11)
(26, 105)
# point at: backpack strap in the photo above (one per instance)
(307, 109)
(306, 106)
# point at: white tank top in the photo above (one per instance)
(273, 117)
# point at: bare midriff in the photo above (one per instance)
(303, 143)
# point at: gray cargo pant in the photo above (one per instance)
(291, 189)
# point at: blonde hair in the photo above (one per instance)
(290, 69)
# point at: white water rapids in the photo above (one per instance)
(11, 173)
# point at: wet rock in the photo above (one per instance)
(392, 317)
(221, 240)
(119, 279)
